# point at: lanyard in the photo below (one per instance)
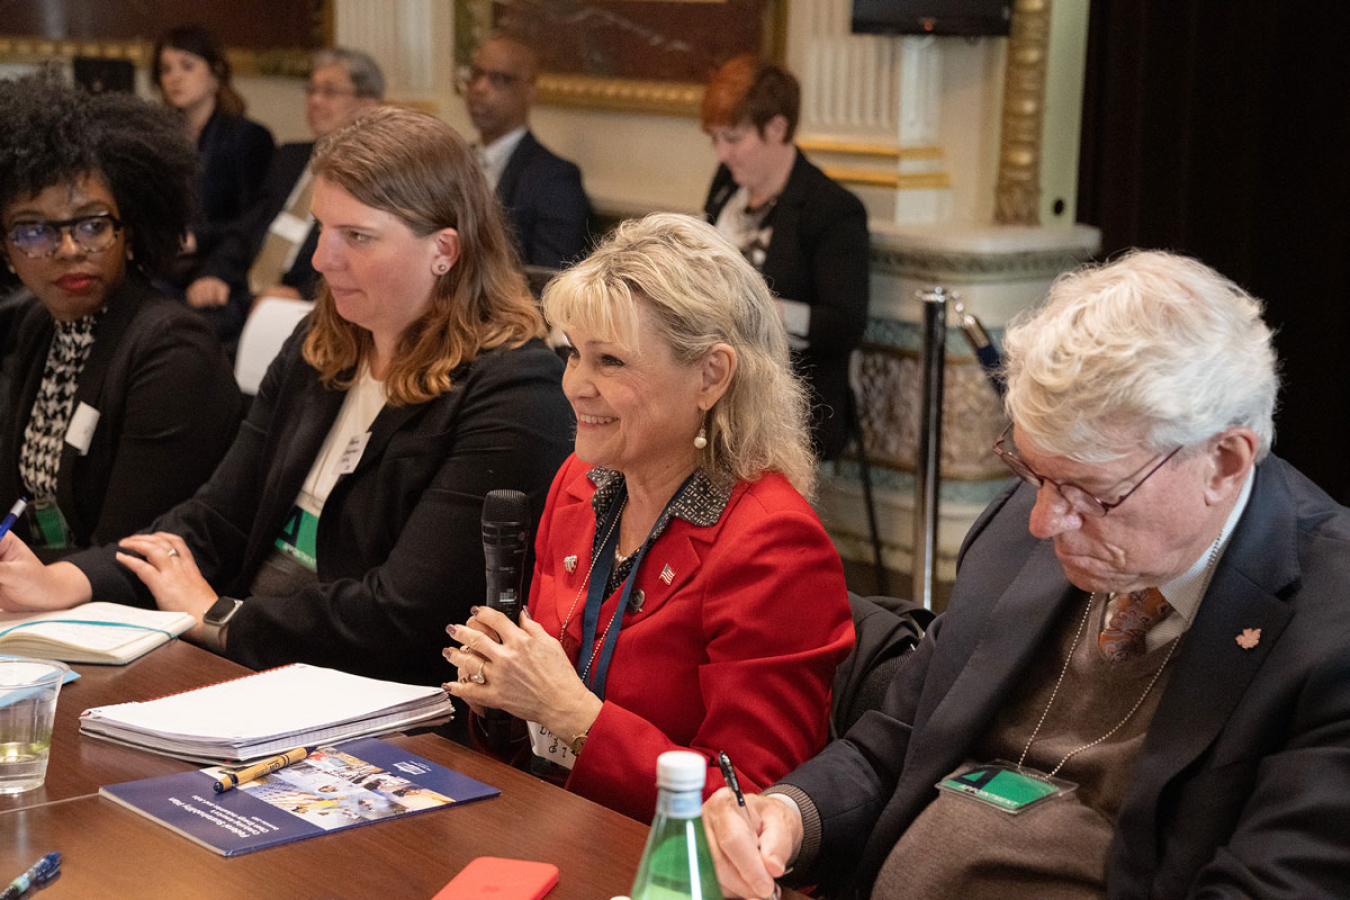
(594, 675)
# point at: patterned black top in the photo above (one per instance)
(46, 431)
(700, 503)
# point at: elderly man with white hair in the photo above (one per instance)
(1141, 687)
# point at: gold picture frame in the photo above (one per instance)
(44, 31)
(632, 55)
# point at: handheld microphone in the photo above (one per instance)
(506, 522)
(990, 360)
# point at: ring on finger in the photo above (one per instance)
(478, 677)
(173, 551)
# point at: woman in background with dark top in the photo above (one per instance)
(193, 76)
(804, 233)
(118, 403)
(685, 594)
(343, 528)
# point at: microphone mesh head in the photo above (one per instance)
(506, 506)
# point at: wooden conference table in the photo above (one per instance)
(110, 851)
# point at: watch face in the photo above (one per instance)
(221, 610)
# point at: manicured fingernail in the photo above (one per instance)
(450, 630)
(525, 614)
(473, 610)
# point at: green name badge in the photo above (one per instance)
(299, 538)
(1005, 786)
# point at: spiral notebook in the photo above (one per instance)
(266, 713)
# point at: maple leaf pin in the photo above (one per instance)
(1249, 638)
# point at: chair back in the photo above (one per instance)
(269, 324)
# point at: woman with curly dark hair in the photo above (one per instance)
(118, 403)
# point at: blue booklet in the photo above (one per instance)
(351, 784)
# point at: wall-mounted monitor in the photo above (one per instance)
(939, 17)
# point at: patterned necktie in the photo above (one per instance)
(1136, 613)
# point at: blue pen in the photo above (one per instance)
(14, 512)
(43, 871)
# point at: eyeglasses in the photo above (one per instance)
(39, 240)
(1079, 500)
(328, 92)
(498, 79)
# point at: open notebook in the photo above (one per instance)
(266, 713)
(97, 632)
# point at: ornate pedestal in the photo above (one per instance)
(996, 271)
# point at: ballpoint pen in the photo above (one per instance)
(257, 770)
(13, 516)
(42, 871)
(729, 776)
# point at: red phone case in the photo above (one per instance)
(494, 878)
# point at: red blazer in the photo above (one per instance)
(737, 653)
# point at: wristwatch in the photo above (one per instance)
(215, 620)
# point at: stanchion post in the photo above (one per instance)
(927, 481)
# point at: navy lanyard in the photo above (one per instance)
(595, 597)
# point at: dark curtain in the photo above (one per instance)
(1221, 129)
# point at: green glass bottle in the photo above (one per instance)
(676, 864)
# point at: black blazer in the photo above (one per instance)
(238, 248)
(1242, 787)
(545, 205)
(168, 409)
(399, 545)
(234, 155)
(818, 255)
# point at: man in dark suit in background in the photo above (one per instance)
(269, 253)
(1149, 630)
(542, 192)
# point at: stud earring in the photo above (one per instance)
(441, 267)
(702, 440)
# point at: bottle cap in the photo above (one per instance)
(681, 770)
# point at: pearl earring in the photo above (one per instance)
(441, 268)
(702, 440)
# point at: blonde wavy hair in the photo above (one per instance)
(700, 291)
(418, 169)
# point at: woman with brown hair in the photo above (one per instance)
(193, 77)
(342, 529)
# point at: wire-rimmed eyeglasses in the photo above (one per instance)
(41, 239)
(1080, 500)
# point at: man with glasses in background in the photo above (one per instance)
(542, 192)
(269, 252)
(1141, 687)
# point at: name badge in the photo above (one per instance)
(547, 745)
(1006, 787)
(291, 227)
(80, 434)
(351, 455)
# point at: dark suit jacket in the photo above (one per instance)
(818, 255)
(168, 410)
(545, 205)
(1242, 788)
(399, 544)
(234, 155)
(239, 247)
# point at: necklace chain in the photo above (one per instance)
(595, 556)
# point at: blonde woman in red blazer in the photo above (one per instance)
(685, 595)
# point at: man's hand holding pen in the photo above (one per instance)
(752, 839)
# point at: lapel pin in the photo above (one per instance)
(667, 574)
(1249, 638)
(635, 602)
(570, 564)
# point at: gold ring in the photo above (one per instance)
(479, 677)
(173, 551)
